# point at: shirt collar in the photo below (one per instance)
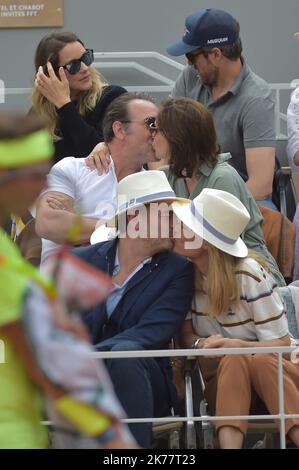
(206, 168)
(237, 83)
(116, 268)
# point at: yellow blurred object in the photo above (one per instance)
(87, 418)
(75, 230)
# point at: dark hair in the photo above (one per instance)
(118, 111)
(14, 125)
(231, 51)
(50, 45)
(189, 129)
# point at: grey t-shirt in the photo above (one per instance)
(244, 116)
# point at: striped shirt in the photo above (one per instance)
(259, 316)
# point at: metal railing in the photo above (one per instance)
(122, 60)
(282, 416)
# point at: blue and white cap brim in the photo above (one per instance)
(180, 48)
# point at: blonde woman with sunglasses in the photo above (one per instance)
(70, 94)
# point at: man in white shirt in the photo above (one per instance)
(73, 188)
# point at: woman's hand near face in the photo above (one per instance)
(55, 89)
(99, 158)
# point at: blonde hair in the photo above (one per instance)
(48, 49)
(221, 283)
(86, 102)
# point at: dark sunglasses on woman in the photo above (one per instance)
(74, 66)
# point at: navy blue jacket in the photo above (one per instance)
(154, 304)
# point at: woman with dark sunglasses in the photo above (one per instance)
(70, 94)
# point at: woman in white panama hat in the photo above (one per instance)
(236, 305)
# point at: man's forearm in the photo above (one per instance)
(259, 190)
(56, 227)
(260, 164)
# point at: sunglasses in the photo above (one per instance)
(147, 122)
(74, 66)
(191, 56)
(153, 127)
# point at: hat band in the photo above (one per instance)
(209, 227)
(148, 198)
(27, 150)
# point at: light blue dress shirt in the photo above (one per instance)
(119, 290)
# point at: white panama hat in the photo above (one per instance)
(135, 190)
(142, 188)
(218, 217)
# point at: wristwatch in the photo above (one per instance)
(196, 343)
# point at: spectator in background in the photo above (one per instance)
(218, 76)
(70, 94)
(293, 157)
(293, 130)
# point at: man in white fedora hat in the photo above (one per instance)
(73, 187)
(153, 292)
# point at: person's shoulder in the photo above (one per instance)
(294, 98)
(251, 269)
(255, 86)
(109, 93)
(69, 164)
(223, 168)
(190, 77)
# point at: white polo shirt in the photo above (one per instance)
(94, 196)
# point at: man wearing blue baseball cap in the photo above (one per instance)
(240, 101)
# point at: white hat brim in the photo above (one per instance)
(111, 222)
(102, 234)
(183, 211)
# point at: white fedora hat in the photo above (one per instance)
(218, 217)
(135, 190)
(142, 188)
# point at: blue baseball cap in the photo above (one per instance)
(206, 27)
